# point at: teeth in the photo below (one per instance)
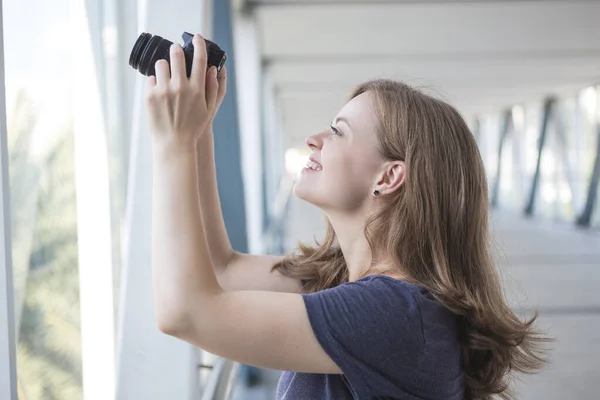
(314, 166)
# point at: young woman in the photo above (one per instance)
(401, 300)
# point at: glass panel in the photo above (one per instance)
(44, 225)
(556, 189)
(592, 123)
(531, 125)
(585, 144)
(118, 133)
(519, 154)
(512, 188)
(568, 157)
(488, 146)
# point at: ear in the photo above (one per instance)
(392, 177)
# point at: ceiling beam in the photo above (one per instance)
(430, 30)
(478, 55)
(288, 3)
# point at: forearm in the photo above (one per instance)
(219, 245)
(181, 263)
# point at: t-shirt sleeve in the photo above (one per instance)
(372, 329)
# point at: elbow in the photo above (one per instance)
(183, 321)
(172, 324)
(168, 328)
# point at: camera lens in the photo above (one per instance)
(138, 47)
(148, 49)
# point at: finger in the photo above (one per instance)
(212, 87)
(150, 82)
(222, 80)
(163, 75)
(222, 73)
(199, 62)
(177, 63)
(150, 85)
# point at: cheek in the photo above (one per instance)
(336, 160)
(347, 173)
(338, 165)
(356, 160)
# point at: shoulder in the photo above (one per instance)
(398, 289)
(392, 305)
(376, 307)
(381, 290)
(373, 291)
(416, 298)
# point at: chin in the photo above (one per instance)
(299, 191)
(305, 192)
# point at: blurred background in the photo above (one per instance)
(76, 311)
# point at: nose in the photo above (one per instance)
(314, 142)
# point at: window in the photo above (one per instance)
(60, 92)
(42, 182)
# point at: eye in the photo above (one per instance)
(335, 131)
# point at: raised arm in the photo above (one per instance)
(234, 270)
(262, 328)
(221, 252)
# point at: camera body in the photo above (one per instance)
(148, 49)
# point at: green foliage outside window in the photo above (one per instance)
(46, 278)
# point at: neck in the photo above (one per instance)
(349, 231)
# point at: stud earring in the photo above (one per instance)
(376, 193)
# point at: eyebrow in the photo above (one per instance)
(342, 119)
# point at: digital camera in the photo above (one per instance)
(148, 49)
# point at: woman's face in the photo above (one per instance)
(347, 160)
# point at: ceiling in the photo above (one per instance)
(479, 55)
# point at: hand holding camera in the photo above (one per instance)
(179, 108)
(148, 49)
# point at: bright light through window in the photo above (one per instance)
(589, 101)
(295, 160)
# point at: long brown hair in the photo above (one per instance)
(435, 230)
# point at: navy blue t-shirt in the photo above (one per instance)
(391, 339)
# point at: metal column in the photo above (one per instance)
(548, 108)
(227, 138)
(8, 369)
(506, 128)
(586, 215)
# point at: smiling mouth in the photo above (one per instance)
(313, 166)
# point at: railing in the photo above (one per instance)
(221, 380)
